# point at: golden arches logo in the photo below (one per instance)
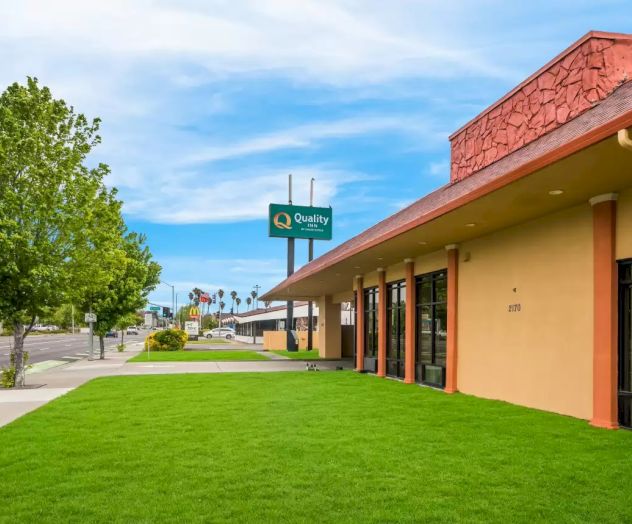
(282, 220)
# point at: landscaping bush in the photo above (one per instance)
(7, 375)
(166, 340)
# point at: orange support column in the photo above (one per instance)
(381, 323)
(453, 307)
(409, 362)
(359, 324)
(605, 312)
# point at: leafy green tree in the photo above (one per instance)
(124, 322)
(47, 198)
(133, 276)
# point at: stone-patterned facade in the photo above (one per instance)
(582, 76)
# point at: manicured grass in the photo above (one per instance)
(196, 356)
(299, 355)
(304, 447)
(210, 341)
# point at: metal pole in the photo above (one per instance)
(310, 257)
(289, 320)
(91, 357)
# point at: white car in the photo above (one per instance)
(226, 333)
(132, 330)
(47, 327)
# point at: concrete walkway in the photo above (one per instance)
(52, 383)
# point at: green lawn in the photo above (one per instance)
(304, 447)
(196, 356)
(299, 355)
(210, 341)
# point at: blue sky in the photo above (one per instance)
(208, 105)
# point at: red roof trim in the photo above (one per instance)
(594, 135)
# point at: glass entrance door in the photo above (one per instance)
(625, 343)
(396, 341)
(431, 326)
(371, 333)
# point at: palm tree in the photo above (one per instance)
(267, 303)
(237, 301)
(253, 294)
(248, 302)
(233, 295)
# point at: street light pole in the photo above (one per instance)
(173, 303)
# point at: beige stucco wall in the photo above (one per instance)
(624, 225)
(423, 264)
(330, 345)
(540, 356)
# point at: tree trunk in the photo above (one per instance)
(101, 347)
(18, 353)
(122, 336)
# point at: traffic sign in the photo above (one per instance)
(90, 317)
(155, 308)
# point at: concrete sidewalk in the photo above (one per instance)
(59, 380)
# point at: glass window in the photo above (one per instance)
(371, 301)
(396, 315)
(431, 327)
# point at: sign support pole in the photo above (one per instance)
(289, 320)
(91, 324)
(310, 257)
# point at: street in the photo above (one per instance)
(60, 347)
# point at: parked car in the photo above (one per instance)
(44, 327)
(226, 333)
(132, 330)
(111, 334)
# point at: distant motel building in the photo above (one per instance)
(514, 280)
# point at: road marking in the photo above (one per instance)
(67, 345)
(7, 354)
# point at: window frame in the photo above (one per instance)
(432, 278)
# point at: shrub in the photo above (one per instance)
(166, 340)
(120, 347)
(7, 375)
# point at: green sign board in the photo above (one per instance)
(288, 221)
(155, 308)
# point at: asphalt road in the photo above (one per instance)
(60, 347)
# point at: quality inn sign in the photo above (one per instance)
(289, 221)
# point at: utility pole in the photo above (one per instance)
(310, 257)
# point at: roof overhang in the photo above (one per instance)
(582, 167)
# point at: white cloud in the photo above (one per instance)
(232, 196)
(310, 134)
(327, 41)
